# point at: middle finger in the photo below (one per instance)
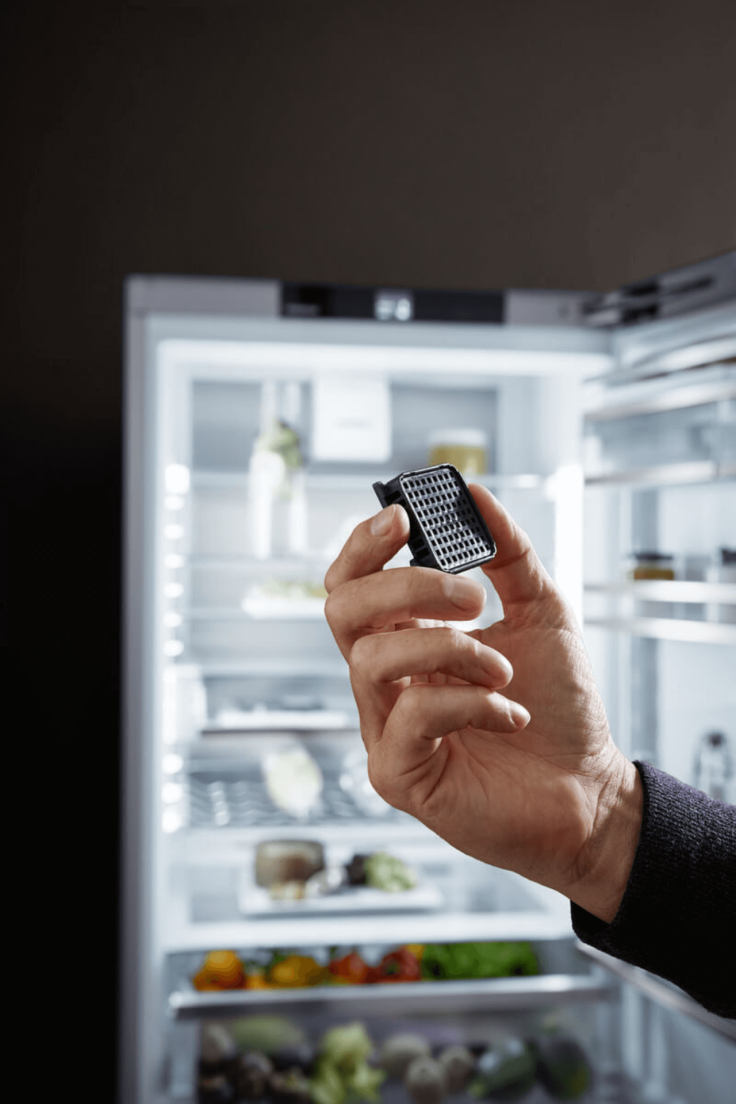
(377, 602)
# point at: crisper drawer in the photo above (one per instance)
(601, 1033)
(510, 1036)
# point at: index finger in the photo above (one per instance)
(516, 571)
(369, 547)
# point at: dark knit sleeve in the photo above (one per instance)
(677, 917)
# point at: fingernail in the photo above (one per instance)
(519, 715)
(382, 522)
(459, 592)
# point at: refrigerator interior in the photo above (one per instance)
(232, 666)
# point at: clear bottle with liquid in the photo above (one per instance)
(714, 765)
(277, 499)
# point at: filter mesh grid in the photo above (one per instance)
(449, 523)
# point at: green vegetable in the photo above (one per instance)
(563, 1069)
(365, 1083)
(346, 1047)
(450, 961)
(342, 1075)
(505, 1072)
(384, 872)
(265, 1033)
(327, 1087)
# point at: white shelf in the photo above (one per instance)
(319, 931)
(274, 565)
(665, 475)
(489, 994)
(266, 610)
(360, 481)
(668, 590)
(665, 628)
(292, 667)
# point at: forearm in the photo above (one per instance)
(678, 911)
(605, 866)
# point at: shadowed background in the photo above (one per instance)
(472, 144)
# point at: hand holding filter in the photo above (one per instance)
(446, 528)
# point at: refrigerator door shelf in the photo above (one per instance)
(661, 992)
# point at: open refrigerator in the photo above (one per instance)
(258, 416)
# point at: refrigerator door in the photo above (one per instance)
(660, 509)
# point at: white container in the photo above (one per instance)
(185, 703)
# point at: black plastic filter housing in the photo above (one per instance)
(446, 529)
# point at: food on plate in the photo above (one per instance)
(385, 872)
(453, 961)
(399, 1051)
(326, 881)
(399, 965)
(251, 1073)
(563, 1068)
(342, 1074)
(458, 1065)
(425, 1081)
(220, 970)
(356, 870)
(294, 971)
(279, 862)
(505, 1071)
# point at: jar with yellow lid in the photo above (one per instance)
(651, 565)
(466, 449)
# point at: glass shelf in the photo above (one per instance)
(666, 590)
(266, 668)
(265, 610)
(700, 471)
(492, 994)
(666, 628)
(361, 481)
(317, 931)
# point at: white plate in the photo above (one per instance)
(254, 900)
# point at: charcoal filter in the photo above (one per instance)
(446, 529)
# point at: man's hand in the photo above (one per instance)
(496, 739)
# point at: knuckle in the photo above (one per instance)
(361, 654)
(412, 701)
(332, 603)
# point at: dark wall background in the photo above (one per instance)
(478, 143)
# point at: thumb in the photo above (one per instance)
(516, 571)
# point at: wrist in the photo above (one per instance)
(605, 863)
